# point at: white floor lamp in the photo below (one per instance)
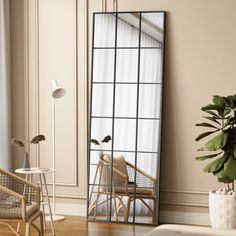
(57, 92)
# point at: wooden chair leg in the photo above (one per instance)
(98, 195)
(41, 224)
(30, 223)
(127, 210)
(154, 213)
(27, 229)
(18, 227)
(115, 208)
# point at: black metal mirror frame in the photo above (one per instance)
(114, 83)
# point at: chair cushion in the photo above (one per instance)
(120, 165)
(146, 193)
(31, 209)
(141, 191)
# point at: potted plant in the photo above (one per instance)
(221, 121)
(106, 139)
(22, 144)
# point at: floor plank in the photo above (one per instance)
(78, 226)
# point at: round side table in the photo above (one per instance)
(41, 172)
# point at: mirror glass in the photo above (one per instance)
(125, 117)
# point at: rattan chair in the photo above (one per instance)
(145, 188)
(19, 202)
(128, 181)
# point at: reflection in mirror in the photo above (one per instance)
(150, 58)
(128, 30)
(103, 66)
(102, 98)
(125, 117)
(127, 65)
(104, 30)
(152, 27)
(124, 93)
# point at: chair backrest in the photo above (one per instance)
(120, 172)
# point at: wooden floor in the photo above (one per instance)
(78, 226)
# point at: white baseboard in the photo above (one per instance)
(188, 218)
(70, 209)
(173, 217)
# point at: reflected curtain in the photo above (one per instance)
(5, 102)
(126, 94)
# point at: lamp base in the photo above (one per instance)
(55, 218)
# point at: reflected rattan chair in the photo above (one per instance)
(19, 202)
(128, 181)
(145, 189)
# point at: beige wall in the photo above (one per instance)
(200, 62)
(46, 46)
(17, 74)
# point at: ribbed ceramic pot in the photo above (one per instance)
(26, 162)
(222, 209)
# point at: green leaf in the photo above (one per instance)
(235, 152)
(217, 142)
(231, 101)
(213, 113)
(216, 165)
(212, 119)
(203, 135)
(211, 107)
(201, 149)
(230, 121)
(220, 174)
(225, 180)
(204, 124)
(217, 108)
(218, 100)
(202, 158)
(230, 168)
(227, 117)
(226, 111)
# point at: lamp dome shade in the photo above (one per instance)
(57, 92)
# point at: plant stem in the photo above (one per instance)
(233, 185)
(228, 186)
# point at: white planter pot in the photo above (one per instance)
(222, 209)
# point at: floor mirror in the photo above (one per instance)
(125, 117)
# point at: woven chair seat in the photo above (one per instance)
(139, 191)
(20, 202)
(11, 211)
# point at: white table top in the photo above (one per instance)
(35, 170)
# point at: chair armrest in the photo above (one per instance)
(11, 193)
(11, 200)
(30, 191)
(18, 179)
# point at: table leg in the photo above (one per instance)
(49, 206)
(42, 197)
